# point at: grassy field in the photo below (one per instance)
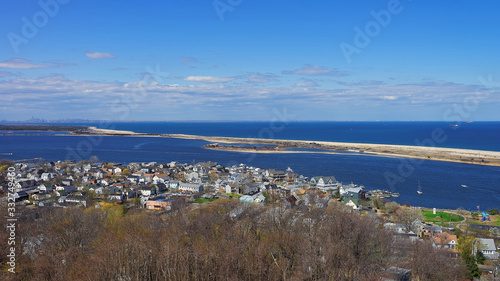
(446, 217)
(204, 200)
(495, 220)
(234, 195)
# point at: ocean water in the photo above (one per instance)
(441, 181)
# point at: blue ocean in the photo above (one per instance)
(441, 181)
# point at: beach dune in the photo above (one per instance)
(468, 156)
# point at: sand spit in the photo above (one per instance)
(467, 156)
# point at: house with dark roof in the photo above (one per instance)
(488, 248)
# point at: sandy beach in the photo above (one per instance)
(467, 156)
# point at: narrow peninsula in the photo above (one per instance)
(256, 145)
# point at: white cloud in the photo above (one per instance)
(306, 84)
(362, 83)
(99, 55)
(389, 97)
(18, 63)
(260, 78)
(6, 74)
(209, 79)
(310, 69)
(59, 95)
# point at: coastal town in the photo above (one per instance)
(159, 188)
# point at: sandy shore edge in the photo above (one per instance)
(465, 156)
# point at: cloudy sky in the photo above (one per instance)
(244, 60)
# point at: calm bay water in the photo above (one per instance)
(441, 181)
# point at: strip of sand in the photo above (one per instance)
(468, 156)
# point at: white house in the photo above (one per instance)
(173, 184)
(147, 191)
(190, 187)
(445, 240)
(259, 198)
(488, 248)
(352, 203)
(87, 168)
(98, 175)
(47, 176)
(193, 176)
(115, 197)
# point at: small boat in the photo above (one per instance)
(419, 190)
(463, 185)
(454, 125)
(395, 195)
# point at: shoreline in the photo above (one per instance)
(455, 155)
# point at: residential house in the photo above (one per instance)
(115, 197)
(250, 189)
(173, 184)
(246, 199)
(193, 177)
(70, 189)
(432, 230)
(445, 240)
(160, 204)
(351, 202)
(47, 176)
(133, 179)
(78, 200)
(190, 187)
(417, 227)
(488, 248)
(98, 175)
(162, 187)
(275, 175)
(40, 196)
(324, 181)
(147, 191)
(356, 192)
(67, 182)
(270, 187)
(259, 198)
(45, 188)
(87, 168)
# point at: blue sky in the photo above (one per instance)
(247, 60)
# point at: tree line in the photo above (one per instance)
(222, 240)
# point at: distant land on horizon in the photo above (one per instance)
(37, 120)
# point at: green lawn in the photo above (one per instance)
(234, 195)
(495, 223)
(430, 217)
(204, 200)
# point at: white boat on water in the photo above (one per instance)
(419, 190)
(463, 185)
